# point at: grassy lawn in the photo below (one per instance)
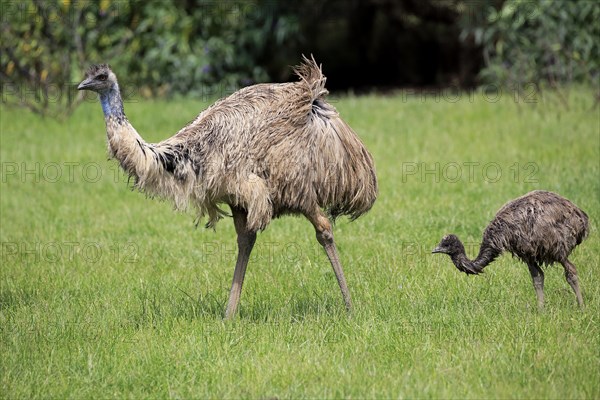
(105, 293)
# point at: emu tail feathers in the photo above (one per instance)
(310, 73)
(585, 227)
(351, 179)
(347, 184)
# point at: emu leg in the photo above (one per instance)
(245, 241)
(537, 275)
(571, 275)
(325, 238)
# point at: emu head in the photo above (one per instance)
(451, 245)
(99, 79)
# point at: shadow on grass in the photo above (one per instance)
(154, 306)
(10, 298)
(299, 307)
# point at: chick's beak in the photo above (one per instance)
(438, 249)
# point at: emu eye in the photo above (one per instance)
(102, 77)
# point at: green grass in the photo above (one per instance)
(105, 293)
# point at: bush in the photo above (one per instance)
(540, 42)
(197, 48)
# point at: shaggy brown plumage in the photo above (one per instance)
(266, 150)
(540, 228)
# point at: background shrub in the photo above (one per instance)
(540, 42)
(209, 49)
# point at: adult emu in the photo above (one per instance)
(539, 228)
(266, 150)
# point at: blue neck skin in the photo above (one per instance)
(112, 104)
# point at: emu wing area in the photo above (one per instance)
(275, 149)
(539, 227)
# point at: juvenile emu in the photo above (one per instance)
(539, 228)
(265, 151)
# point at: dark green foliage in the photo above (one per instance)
(209, 49)
(541, 43)
(202, 48)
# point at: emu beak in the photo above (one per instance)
(438, 249)
(84, 84)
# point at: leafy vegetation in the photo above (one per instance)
(161, 47)
(200, 48)
(538, 42)
(105, 293)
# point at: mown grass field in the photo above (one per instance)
(105, 293)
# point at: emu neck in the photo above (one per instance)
(486, 255)
(124, 143)
(112, 104)
(157, 169)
